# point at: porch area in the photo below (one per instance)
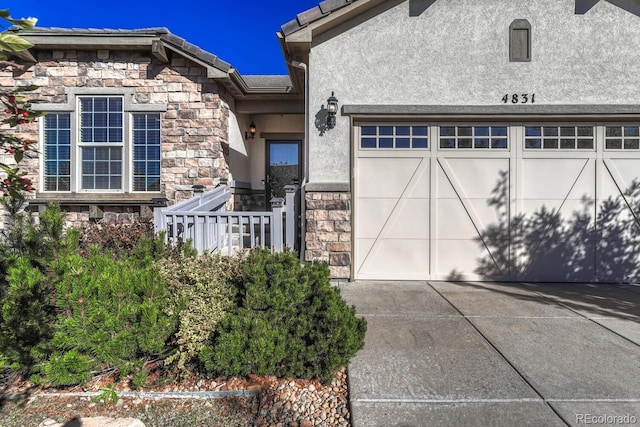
(205, 222)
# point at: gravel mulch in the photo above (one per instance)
(274, 402)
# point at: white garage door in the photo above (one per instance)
(542, 202)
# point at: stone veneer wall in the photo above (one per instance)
(194, 133)
(328, 232)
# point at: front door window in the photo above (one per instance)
(283, 166)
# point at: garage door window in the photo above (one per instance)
(394, 136)
(622, 138)
(559, 137)
(473, 137)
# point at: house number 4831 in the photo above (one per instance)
(519, 98)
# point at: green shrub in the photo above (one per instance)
(289, 322)
(201, 294)
(111, 310)
(25, 316)
(68, 368)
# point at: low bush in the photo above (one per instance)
(201, 295)
(119, 237)
(289, 321)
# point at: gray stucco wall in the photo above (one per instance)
(457, 53)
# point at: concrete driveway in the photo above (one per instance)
(496, 354)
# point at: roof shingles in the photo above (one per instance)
(315, 13)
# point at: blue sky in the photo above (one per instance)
(241, 32)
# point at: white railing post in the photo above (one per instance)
(159, 222)
(291, 215)
(276, 227)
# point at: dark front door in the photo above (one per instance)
(283, 166)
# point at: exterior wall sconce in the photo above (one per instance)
(332, 109)
(251, 134)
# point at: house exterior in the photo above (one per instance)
(493, 140)
(136, 118)
(475, 140)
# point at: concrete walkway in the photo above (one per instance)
(491, 354)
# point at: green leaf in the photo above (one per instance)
(26, 89)
(13, 43)
(18, 156)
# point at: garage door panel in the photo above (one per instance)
(538, 209)
(465, 260)
(617, 267)
(625, 170)
(452, 221)
(400, 258)
(385, 177)
(565, 255)
(411, 221)
(470, 178)
(372, 215)
(552, 179)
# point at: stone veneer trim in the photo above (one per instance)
(328, 234)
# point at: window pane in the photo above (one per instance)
(420, 131)
(57, 152)
(465, 131)
(386, 142)
(482, 142)
(585, 131)
(498, 143)
(482, 131)
(567, 143)
(386, 130)
(499, 131)
(447, 131)
(403, 130)
(631, 144)
(146, 150)
(465, 143)
(550, 143)
(550, 131)
(102, 168)
(403, 143)
(533, 143)
(420, 143)
(567, 131)
(368, 143)
(585, 144)
(101, 119)
(614, 144)
(631, 131)
(533, 131)
(614, 131)
(447, 143)
(366, 130)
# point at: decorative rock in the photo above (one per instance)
(98, 422)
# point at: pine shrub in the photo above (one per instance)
(110, 310)
(25, 316)
(289, 321)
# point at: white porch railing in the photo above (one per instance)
(204, 220)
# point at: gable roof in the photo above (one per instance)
(159, 41)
